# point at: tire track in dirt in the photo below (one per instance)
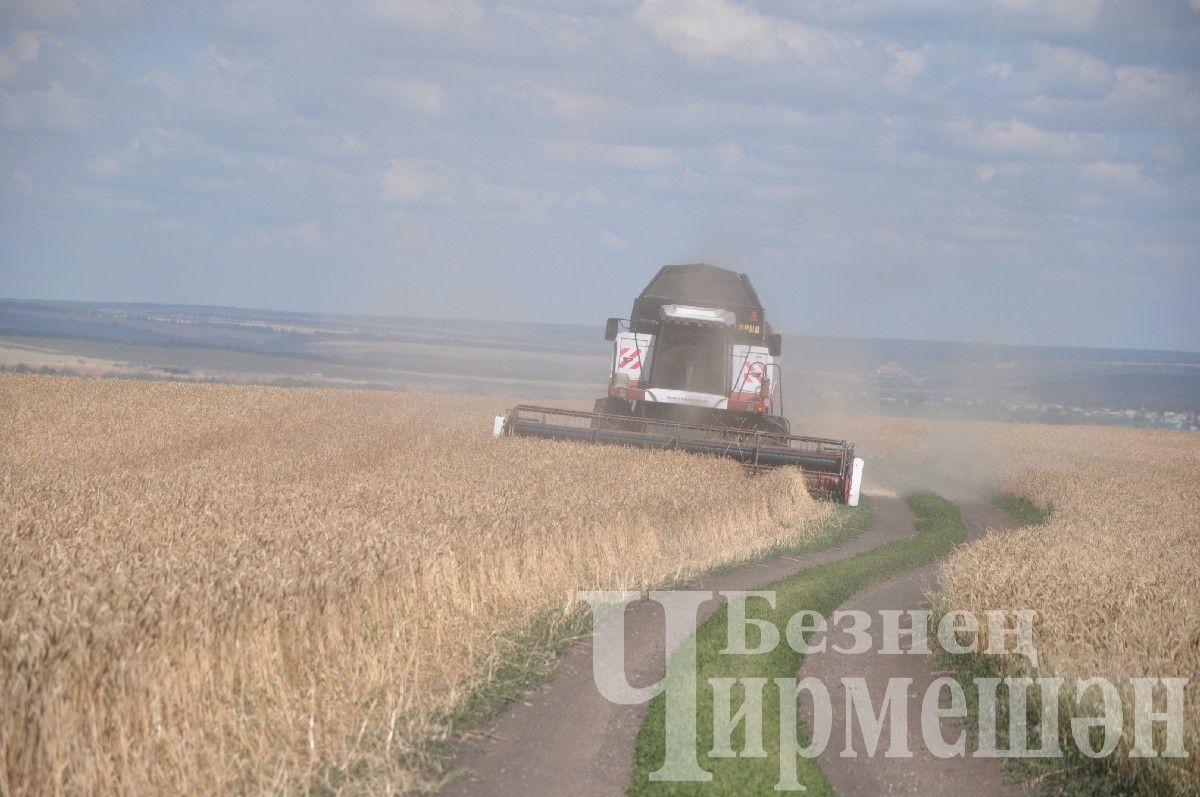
(564, 738)
(923, 773)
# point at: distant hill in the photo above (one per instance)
(525, 359)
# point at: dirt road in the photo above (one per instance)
(565, 738)
(923, 773)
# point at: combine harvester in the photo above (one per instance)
(695, 368)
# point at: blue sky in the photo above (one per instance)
(1014, 171)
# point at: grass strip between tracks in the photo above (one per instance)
(1023, 510)
(821, 589)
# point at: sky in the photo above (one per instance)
(1016, 171)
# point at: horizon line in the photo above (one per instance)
(813, 335)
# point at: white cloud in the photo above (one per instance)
(1068, 16)
(306, 235)
(1017, 139)
(701, 30)
(166, 84)
(1140, 86)
(577, 107)
(596, 155)
(233, 65)
(275, 164)
(1123, 177)
(729, 157)
(1065, 71)
(90, 62)
(104, 166)
(61, 12)
(25, 46)
(337, 146)
(447, 16)
(609, 240)
(1169, 153)
(21, 181)
(1181, 256)
(309, 233)
(1141, 95)
(8, 68)
(998, 69)
(23, 50)
(229, 89)
(908, 64)
(407, 181)
(53, 108)
(157, 141)
(986, 173)
(424, 98)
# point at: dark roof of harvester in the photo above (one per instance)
(703, 285)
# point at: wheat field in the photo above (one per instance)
(1115, 573)
(214, 589)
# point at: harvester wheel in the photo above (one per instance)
(774, 425)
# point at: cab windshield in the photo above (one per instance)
(692, 358)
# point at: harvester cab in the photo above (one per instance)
(690, 363)
(695, 367)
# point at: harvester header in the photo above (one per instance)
(695, 368)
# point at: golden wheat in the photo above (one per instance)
(213, 589)
(1114, 577)
(1115, 573)
(210, 589)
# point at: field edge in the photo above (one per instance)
(535, 648)
(1075, 774)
